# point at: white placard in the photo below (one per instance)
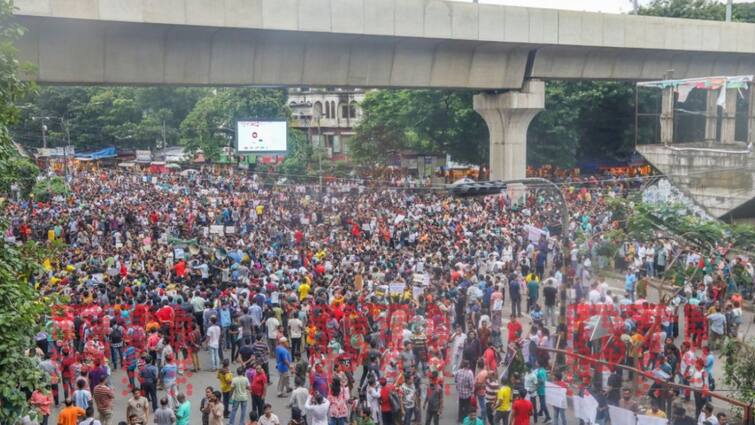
(651, 420)
(534, 234)
(216, 229)
(417, 292)
(396, 288)
(586, 408)
(229, 230)
(555, 395)
(261, 136)
(621, 416)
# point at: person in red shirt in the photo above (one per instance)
(491, 362)
(385, 402)
(180, 269)
(66, 365)
(165, 314)
(521, 410)
(257, 388)
(515, 329)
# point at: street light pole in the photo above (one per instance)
(44, 129)
(64, 123)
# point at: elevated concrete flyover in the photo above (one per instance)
(364, 43)
(499, 50)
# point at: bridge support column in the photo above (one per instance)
(667, 116)
(729, 116)
(751, 116)
(508, 116)
(711, 116)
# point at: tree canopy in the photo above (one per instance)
(20, 307)
(209, 125)
(427, 121)
(139, 118)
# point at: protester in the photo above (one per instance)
(240, 395)
(409, 285)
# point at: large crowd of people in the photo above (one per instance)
(369, 302)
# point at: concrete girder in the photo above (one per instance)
(91, 52)
(634, 64)
(431, 19)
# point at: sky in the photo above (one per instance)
(607, 6)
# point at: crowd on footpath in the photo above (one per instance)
(369, 301)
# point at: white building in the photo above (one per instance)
(328, 116)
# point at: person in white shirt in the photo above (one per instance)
(316, 408)
(295, 327)
(213, 342)
(299, 395)
(272, 324)
(707, 415)
(268, 417)
(594, 296)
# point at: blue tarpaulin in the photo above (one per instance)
(100, 154)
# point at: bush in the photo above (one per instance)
(48, 188)
(19, 170)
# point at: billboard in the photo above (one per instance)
(261, 136)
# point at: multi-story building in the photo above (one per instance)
(328, 116)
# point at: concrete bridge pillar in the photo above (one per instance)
(711, 116)
(667, 116)
(751, 116)
(729, 116)
(508, 116)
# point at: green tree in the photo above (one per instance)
(583, 121)
(300, 156)
(20, 306)
(553, 136)
(13, 167)
(429, 121)
(688, 9)
(209, 126)
(96, 117)
(739, 369)
(49, 187)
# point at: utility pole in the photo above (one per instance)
(44, 129)
(67, 149)
(729, 6)
(164, 142)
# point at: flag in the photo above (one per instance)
(684, 91)
(722, 96)
(598, 326)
